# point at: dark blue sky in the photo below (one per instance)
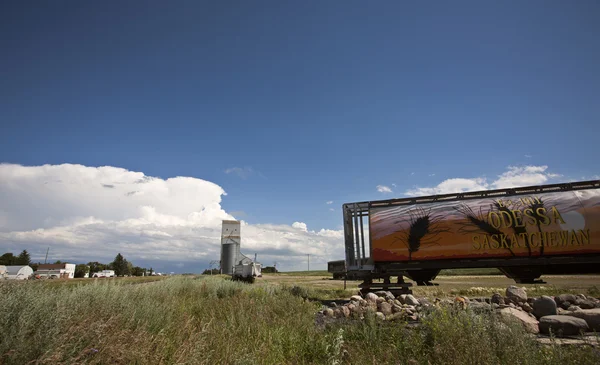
(322, 100)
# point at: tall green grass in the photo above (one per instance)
(215, 321)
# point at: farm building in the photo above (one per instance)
(3, 272)
(19, 272)
(56, 271)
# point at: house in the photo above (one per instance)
(19, 272)
(56, 271)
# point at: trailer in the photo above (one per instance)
(338, 269)
(525, 232)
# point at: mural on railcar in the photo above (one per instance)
(525, 225)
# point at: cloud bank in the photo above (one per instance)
(91, 213)
(514, 176)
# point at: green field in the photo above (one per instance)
(212, 320)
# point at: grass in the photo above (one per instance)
(208, 320)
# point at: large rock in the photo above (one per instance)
(380, 300)
(516, 294)
(345, 311)
(590, 316)
(385, 308)
(585, 303)
(530, 324)
(357, 298)
(328, 312)
(561, 299)
(544, 306)
(562, 325)
(410, 300)
(526, 307)
(380, 315)
(371, 297)
(497, 298)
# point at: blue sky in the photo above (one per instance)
(312, 101)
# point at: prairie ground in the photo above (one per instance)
(212, 320)
(448, 285)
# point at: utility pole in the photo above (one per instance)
(46, 259)
(308, 261)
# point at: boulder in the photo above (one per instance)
(396, 308)
(410, 300)
(585, 303)
(345, 311)
(380, 293)
(380, 315)
(356, 310)
(328, 312)
(371, 297)
(385, 308)
(402, 298)
(357, 298)
(389, 295)
(397, 302)
(526, 307)
(562, 325)
(544, 306)
(590, 316)
(530, 324)
(497, 298)
(574, 308)
(379, 300)
(566, 305)
(516, 294)
(560, 299)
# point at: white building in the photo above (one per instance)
(56, 271)
(19, 272)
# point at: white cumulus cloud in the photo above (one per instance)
(383, 189)
(91, 213)
(329, 202)
(513, 176)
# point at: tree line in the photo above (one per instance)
(120, 265)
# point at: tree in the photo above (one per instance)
(24, 258)
(269, 270)
(120, 265)
(96, 266)
(138, 271)
(8, 259)
(81, 270)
